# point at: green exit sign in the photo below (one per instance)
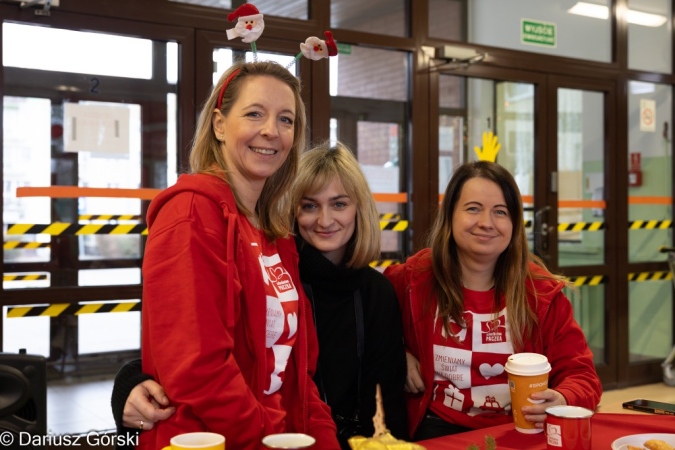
(534, 32)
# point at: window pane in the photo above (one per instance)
(373, 16)
(650, 302)
(649, 113)
(650, 35)
(295, 9)
(370, 73)
(588, 303)
(445, 19)
(120, 56)
(31, 333)
(542, 27)
(107, 332)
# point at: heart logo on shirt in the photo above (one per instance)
(490, 371)
(292, 324)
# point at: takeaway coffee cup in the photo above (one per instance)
(568, 428)
(202, 441)
(528, 373)
(288, 441)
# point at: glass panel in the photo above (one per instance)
(588, 303)
(650, 316)
(31, 333)
(119, 56)
(26, 163)
(445, 19)
(581, 173)
(650, 149)
(650, 35)
(500, 107)
(550, 27)
(374, 16)
(296, 9)
(107, 332)
(223, 58)
(369, 115)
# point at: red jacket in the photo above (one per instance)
(559, 337)
(204, 324)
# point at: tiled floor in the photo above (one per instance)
(79, 406)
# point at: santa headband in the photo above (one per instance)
(249, 28)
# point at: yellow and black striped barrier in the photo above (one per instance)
(390, 216)
(638, 276)
(11, 245)
(109, 217)
(397, 225)
(581, 226)
(61, 309)
(29, 277)
(58, 229)
(650, 276)
(384, 263)
(650, 224)
(587, 281)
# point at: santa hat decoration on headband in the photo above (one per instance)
(315, 49)
(250, 24)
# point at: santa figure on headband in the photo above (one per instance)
(314, 48)
(250, 24)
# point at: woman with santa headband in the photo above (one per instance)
(226, 329)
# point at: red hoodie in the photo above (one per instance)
(204, 324)
(558, 336)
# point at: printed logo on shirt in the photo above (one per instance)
(490, 335)
(275, 275)
(494, 330)
(492, 398)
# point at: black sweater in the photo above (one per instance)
(333, 297)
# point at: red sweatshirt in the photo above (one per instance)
(204, 324)
(558, 337)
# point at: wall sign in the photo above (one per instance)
(535, 32)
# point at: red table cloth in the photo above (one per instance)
(605, 429)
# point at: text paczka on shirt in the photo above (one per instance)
(469, 374)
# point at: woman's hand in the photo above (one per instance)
(413, 379)
(537, 413)
(144, 406)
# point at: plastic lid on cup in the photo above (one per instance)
(525, 364)
(569, 412)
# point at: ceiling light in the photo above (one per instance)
(589, 10)
(602, 12)
(646, 19)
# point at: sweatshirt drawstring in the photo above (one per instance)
(231, 248)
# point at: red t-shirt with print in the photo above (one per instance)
(282, 321)
(470, 384)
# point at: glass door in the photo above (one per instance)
(90, 134)
(578, 222)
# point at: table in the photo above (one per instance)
(605, 429)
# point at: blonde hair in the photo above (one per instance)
(207, 157)
(318, 167)
(512, 270)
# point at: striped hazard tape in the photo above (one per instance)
(384, 263)
(397, 225)
(390, 216)
(61, 309)
(650, 224)
(638, 276)
(581, 226)
(58, 228)
(108, 217)
(11, 245)
(650, 276)
(29, 277)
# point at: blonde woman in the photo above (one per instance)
(226, 328)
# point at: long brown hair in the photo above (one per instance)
(207, 157)
(512, 270)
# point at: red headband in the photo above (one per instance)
(222, 89)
